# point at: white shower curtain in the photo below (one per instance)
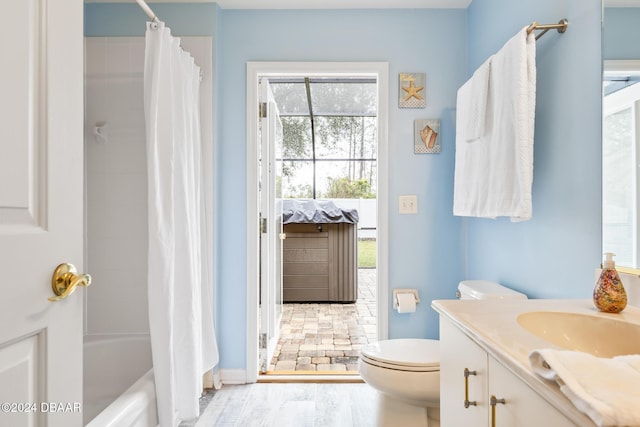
(179, 283)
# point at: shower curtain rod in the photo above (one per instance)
(147, 10)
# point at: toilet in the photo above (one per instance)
(406, 372)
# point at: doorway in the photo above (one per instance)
(312, 175)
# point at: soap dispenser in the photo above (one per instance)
(609, 295)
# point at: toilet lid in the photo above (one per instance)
(404, 354)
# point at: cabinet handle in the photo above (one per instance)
(468, 402)
(493, 402)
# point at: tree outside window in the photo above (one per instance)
(330, 137)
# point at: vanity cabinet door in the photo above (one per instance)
(522, 406)
(457, 353)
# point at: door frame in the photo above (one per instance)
(379, 70)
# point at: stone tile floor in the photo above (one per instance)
(327, 336)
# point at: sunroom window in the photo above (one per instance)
(330, 136)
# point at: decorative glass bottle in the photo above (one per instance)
(609, 295)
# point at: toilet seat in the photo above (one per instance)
(410, 355)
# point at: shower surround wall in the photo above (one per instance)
(116, 179)
(116, 185)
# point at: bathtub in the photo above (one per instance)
(119, 389)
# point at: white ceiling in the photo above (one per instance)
(344, 4)
(622, 3)
(317, 4)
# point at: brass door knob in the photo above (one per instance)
(65, 280)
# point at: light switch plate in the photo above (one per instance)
(408, 204)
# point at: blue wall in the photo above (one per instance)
(553, 255)
(622, 33)
(426, 251)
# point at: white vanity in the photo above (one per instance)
(484, 352)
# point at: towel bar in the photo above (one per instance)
(561, 26)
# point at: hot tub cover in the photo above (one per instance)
(316, 212)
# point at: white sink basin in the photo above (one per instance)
(600, 336)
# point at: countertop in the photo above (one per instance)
(493, 326)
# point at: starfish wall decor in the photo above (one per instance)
(411, 92)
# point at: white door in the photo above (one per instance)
(271, 225)
(41, 211)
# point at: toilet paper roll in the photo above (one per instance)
(406, 303)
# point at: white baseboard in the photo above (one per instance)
(233, 376)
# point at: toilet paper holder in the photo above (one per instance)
(404, 291)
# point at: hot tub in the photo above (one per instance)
(320, 257)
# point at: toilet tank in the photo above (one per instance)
(482, 289)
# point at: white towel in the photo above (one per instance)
(472, 101)
(607, 390)
(494, 174)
